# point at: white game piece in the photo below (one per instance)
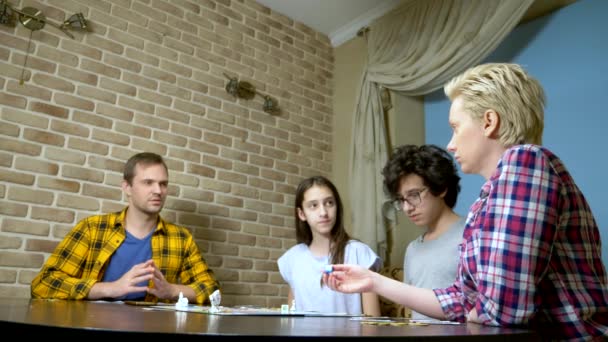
(284, 308)
(293, 305)
(328, 269)
(182, 302)
(215, 299)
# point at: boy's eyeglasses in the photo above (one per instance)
(412, 198)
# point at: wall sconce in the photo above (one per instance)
(247, 91)
(34, 20)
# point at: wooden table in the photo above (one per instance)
(24, 318)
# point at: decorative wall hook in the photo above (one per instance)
(247, 91)
(34, 20)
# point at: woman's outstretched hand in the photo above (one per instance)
(349, 279)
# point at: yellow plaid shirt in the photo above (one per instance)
(80, 260)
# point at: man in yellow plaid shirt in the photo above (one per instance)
(129, 255)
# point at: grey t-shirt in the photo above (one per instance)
(433, 264)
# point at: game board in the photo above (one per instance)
(246, 311)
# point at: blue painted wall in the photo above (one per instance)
(567, 51)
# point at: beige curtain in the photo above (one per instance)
(414, 49)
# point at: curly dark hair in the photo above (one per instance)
(432, 163)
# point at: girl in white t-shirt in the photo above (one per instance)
(322, 240)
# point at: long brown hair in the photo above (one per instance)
(339, 236)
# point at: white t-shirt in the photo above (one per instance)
(302, 271)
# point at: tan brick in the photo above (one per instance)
(125, 38)
(100, 68)
(28, 195)
(37, 245)
(236, 263)
(285, 210)
(258, 206)
(26, 227)
(180, 205)
(8, 276)
(146, 145)
(255, 253)
(34, 165)
(59, 56)
(182, 154)
(177, 91)
(72, 157)
(54, 215)
(159, 74)
(16, 177)
(59, 231)
(243, 215)
(77, 75)
(254, 277)
(208, 100)
(272, 220)
(285, 233)
(231, 177)
(111, 207)
(15, 291)
(77, 202)
(103, 163)
(34, 63)
(87, 146)
(70, 128)
(43, 137)
(58, 184)
(193, 220)
(10, 130)
(188, 180)
(104, 44)
(81, 49)
(12, 100)
(82, 173)
(25, 118)
(265, 290)
(213, 185)
(225, 275)
(261, 139)
(10, 242)
(24, 260)
(26, 277)
(123, 63)
(224, 249)
(256, 228)
(112, 112)
(136, 104)
(239, 239)
(110, 137)
(270, 266)
(201, 170)
(210, 235)
(95, 93)
(73, 101)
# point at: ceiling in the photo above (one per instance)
(338, 19)
(341, 19)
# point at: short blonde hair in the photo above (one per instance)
(506, 88)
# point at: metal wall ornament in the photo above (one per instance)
(33, 19)
(247, 91)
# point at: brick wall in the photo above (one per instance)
(150, 77)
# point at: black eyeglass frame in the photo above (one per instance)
(413, 198)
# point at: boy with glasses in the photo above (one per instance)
(424, 183)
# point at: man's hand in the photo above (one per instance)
(160, 287)
(128, 283)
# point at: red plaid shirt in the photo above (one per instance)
(531, 253)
